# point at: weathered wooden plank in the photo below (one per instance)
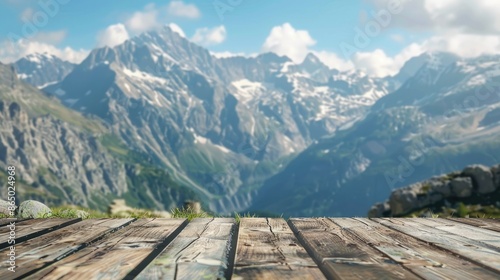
(122, 254)
(6, 221)
(491, 239)
(468, 249)
(28, 229)
(198, 252)
(39, 252)
(268, 249)
(481, 223)
(422, 259)
(343, 256)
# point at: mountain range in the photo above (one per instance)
(158, 119)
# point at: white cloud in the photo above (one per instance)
(296, 44)
(153, 17)
(10, 51)
(209, 36)
(286, 40)
(52, 38)
(180, 9)
(378, 63)
(464, 16)
(176, 28)
(465, 45)
(142, 21)
(113, 35)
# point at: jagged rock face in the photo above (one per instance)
(50, 153)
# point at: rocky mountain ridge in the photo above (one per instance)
(219, 126)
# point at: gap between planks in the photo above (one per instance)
(417, 256)
(343, 256)
(31, 228)
(120, 255)
(268, 249)
(37, 253)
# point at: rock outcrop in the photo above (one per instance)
(474, 180)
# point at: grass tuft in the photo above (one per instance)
(188, 213)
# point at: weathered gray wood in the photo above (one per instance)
(118, 255)
(343, 257)
(36, 253)
(422, 259)
(6, 221)
(481, 223)
(268, 249)
(28, 229)
(491, 239)
(198, 252)
(468, 249)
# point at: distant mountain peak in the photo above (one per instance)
(312, 59)
(42, 69)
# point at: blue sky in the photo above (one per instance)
(287, 27)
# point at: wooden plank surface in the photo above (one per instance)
(28, 229)
(417, 256)
(471, 250)
(342, 255)
(268, 249)
(39, 252)
(487, 238)
(6, 221)
(198, 252)
(481, 223)
(120, 254)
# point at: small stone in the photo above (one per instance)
(31, 209)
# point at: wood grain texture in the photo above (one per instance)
(422, 259)
(481, 223)
(119, 254)
(489, 238)
(343, 256)
(198, 252)
(268, 249)
(36, 253)
(6, 221)
(468, 249)
(28, 229)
